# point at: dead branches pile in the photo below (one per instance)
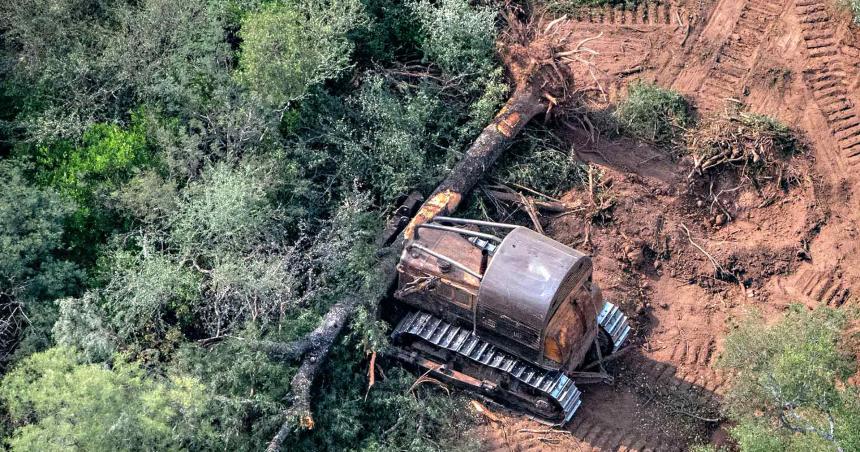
(753, 144)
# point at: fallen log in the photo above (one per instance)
(522, 106)
(300, 414)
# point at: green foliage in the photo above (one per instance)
(541, 163)
(652, 113)
(56, 402)
(385, 142)
(226, 210)
(391, 33)
(32, 269)
(709, 448)
(31, 229)
(145, 288)
(82, 325)
(218, 174)
(789, 393)
(89, 173)
(387, 417)
(106, 157)
(458, 37)
(493, 92)
(248, 389)
(78, 62)
(289, 47)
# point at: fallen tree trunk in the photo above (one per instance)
(299, 413)
(522, 106)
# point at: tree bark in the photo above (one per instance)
(299, 414)
(522, 106)
(329, 326)
(313, 349)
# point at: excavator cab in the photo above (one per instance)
(504, 306)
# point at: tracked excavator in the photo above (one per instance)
(503, 311)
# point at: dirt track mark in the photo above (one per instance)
(601, 437)
(826, 77)
(823, 287)
(738, 53)
(642, 14)
(850, 49)
(702, 382)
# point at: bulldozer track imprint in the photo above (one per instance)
(643, 14)
(701, 381)
(825, 288)
(738, 52)
(827, 77)
(605, 437)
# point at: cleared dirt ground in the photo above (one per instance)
(796, 60)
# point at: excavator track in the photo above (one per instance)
(615, 323)
(554, 385)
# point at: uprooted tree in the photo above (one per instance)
(532, 51)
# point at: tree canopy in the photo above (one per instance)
(180, 181)
(790, 391)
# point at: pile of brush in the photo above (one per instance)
(753, 143)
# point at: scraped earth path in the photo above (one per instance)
(796, 60)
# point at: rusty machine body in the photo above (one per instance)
(504, 310)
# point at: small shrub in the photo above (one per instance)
(654, 114)
(289, 47)
(458, 37)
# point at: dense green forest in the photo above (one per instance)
(180, 179)
(181, 182)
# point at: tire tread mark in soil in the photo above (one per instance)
(738, 52)
(826, 77)
(649, 13)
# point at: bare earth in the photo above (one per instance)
(796, 60)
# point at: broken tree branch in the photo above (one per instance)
(718, 269)
(551, 206)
